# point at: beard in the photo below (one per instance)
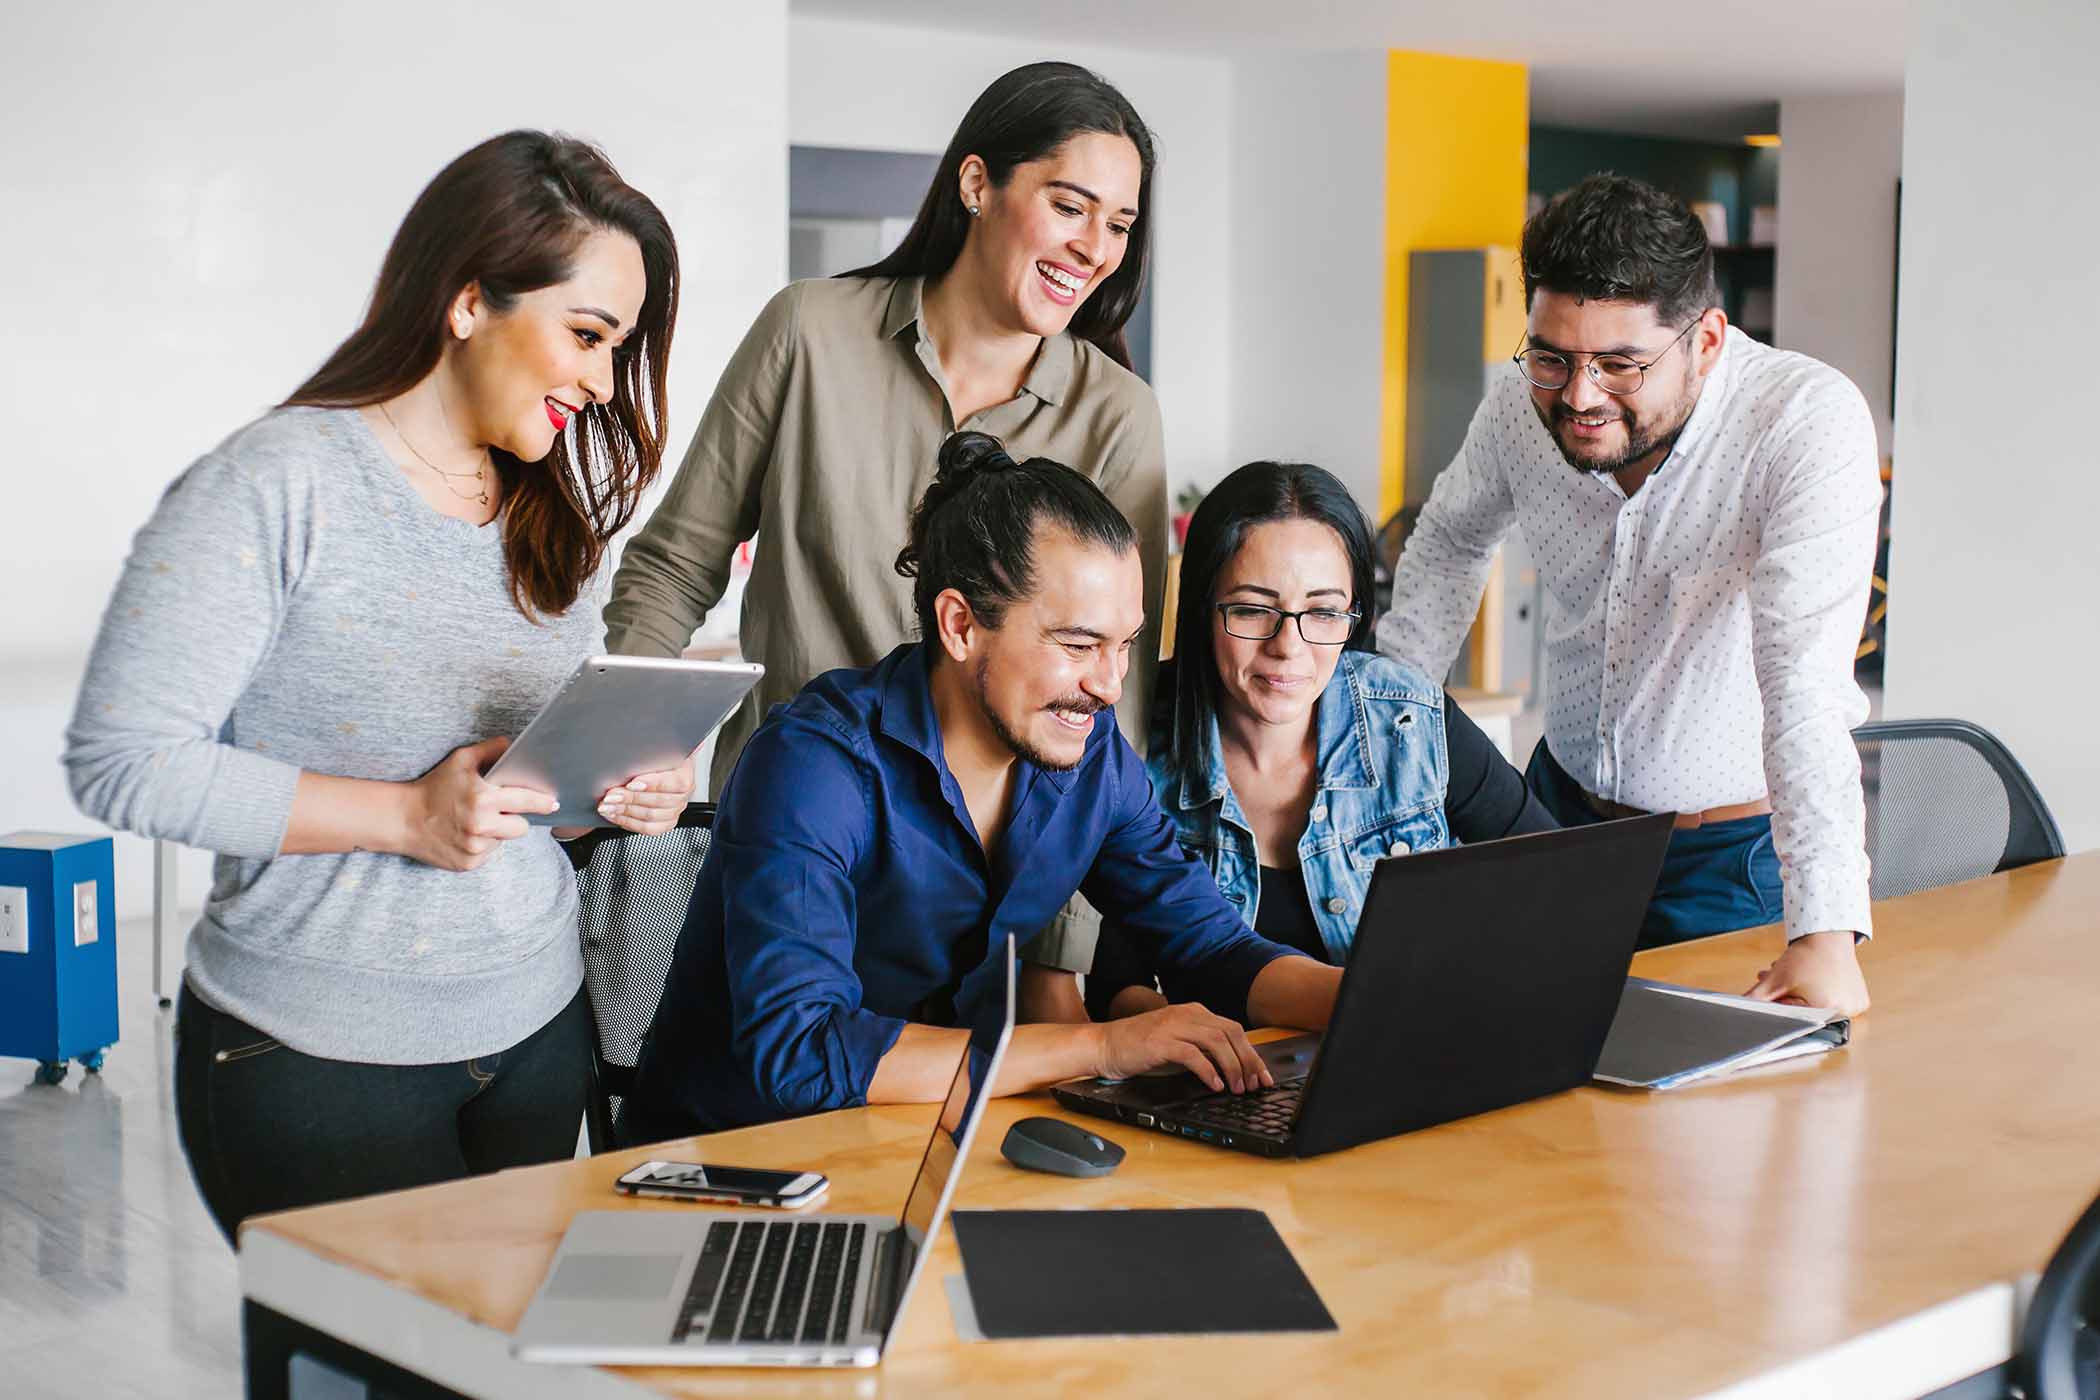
(1655, 434)
(1070, 704)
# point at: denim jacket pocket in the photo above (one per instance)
(1422, 830)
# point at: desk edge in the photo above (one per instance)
(1911, 1356)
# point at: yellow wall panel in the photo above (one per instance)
(1456, 160)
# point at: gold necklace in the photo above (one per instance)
(480, 494)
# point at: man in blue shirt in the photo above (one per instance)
(887, 827)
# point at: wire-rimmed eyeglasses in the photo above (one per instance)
(1322, 627)
(1615, 374)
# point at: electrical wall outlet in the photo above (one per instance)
(14, 919)
(87, 926)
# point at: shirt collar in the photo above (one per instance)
(1214, 784)
(908, 717)
(1048, 378)
(907, 703)
(903, 310)
(1344, 762)
(1714, 392)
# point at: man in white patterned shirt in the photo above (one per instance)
(1703, 512)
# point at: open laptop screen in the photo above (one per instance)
(946, 1144)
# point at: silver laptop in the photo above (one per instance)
(671, 1287)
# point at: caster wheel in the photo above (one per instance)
(51, 1072)
(92, 1062)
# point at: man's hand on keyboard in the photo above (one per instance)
(1209, 1046)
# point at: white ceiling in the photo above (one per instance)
(1672, 67)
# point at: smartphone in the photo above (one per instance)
(743, 1186)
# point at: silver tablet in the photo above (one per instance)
(617, 716)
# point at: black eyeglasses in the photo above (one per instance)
(1615, 374)
(1322, 627)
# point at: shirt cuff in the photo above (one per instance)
(863, 1038)
(1067, 943)
(1820, 906)
(247, 805)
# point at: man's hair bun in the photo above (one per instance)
(966, 452)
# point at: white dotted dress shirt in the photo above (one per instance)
(1700, 635)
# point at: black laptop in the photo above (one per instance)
(1481, 976)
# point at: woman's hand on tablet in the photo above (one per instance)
(456, 818)
(650, 803)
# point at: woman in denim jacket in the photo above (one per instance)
(1289, 756)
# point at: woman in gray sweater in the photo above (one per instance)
(325, 634)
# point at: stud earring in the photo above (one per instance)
(973, 211)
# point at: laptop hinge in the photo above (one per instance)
(892, 1265)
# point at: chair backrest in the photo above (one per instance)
(632, 892)
(1390, 540)
(1947, 802)
(2059, 1355)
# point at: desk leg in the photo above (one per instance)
(163, 909)
(288, 1360)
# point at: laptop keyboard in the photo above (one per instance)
(781, 1283)
(1261, 1113)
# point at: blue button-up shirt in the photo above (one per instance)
(847, 892)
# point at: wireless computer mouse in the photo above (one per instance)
(1053, 1145)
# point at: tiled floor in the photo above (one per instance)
(113, 1280)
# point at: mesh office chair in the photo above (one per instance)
(1391, 539)
(633, 892)
(2059, 1356)
(1947, 802)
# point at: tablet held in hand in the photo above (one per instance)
(614, 717)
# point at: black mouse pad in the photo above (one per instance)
(1133, 1273)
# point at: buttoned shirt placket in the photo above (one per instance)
(1619, 669)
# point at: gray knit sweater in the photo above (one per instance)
(294, 604)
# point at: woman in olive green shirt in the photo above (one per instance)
(1001, 312)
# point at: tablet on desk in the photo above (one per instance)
(615, 717)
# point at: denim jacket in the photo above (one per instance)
(1384, 771)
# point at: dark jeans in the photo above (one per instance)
(267, 1128)
(1715, 878)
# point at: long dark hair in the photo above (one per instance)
(1025, 116)
(1255, 494)
(509, 216)
(974, 529)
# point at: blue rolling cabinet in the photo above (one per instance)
(58, 950)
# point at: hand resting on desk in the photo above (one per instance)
(1817, 969)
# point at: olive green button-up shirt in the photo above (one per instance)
(820, 437)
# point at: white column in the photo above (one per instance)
(1997, 493)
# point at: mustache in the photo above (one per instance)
(1562, 413)
(1081, 705)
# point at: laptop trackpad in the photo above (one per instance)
(1290, 1057)
(614, 1278)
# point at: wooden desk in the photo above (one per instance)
(1846, 1225)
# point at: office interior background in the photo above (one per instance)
(197, 199)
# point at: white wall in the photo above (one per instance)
(1997, 492)
(196, 204)
(1308, 176)
(1837, 236)
(887, 88)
